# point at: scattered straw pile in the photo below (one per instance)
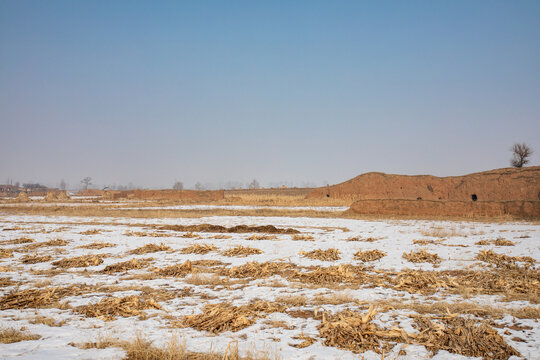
(422, 256)
(97, 245)
(262, 237)
(9, 336)
(324, 255)
(55, 242)
(177, 270)
(369, 255)
(358, 238)
(50, 196)
(217, 318)
(501, 260)
(328, 275)
(5, 253)
(503, 242)
(240, 229)
(34, 259)
(241, 251)
(40, 298)
(62, 195)
(256, 270)
(23, 197)
(79, 261)
(482, 242)
(150, 248)
(199, 249)
(356, 332)
(21, 240)
(91, 232)
(463, 336)
(127, 265)
(111, 307)
(424, 282)
(303, 237)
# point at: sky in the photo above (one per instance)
(296, 92)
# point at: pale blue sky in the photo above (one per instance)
(303, 91)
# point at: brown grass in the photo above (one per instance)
(241, 251)
(9, 336)
(207, 280)
(422, 256)
(217, 318)
(199, 249)
(369, 255)
(39, 319)
(337, 298)
(292, 300)
(34, 259)
(141, 349)
(149, 248)
(111, 307)
(127, 265)
(79, 261)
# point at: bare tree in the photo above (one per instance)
(87, 181)
(254, 184)
(63, 185)
(178, 185)
(521, 153)
(199, 186)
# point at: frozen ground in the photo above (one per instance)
(453, 242)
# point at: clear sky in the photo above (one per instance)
(151, 92)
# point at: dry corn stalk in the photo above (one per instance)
(256, 270)
(422, 256)
(127, 265)
(79, 261)
(369, 255)
(111, 307)
(177, 270)
(241, 251)
(150, 248)
(217, 318)
(34, 259)
(324, 255)
(198, 249)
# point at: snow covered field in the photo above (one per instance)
(224, 267)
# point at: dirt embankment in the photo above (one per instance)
(507, 191)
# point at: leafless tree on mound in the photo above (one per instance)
(87, 181)
(178, 185)
(521, 153)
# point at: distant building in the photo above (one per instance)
(9, 190)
